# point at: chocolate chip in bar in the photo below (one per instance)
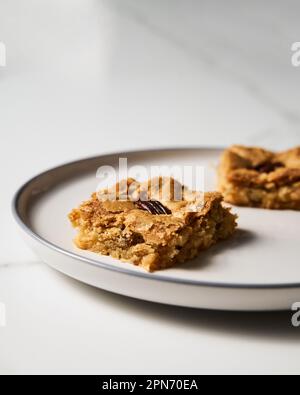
(268, 167)
(153, 207)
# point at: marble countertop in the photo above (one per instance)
(90, 76)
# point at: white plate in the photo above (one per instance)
(258, 269)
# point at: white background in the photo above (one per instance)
(90, 76)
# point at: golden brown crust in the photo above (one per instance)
(251, 176)
(120, 229)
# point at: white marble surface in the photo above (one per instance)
(89, 76)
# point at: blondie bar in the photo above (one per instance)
(255, 177)
(155, 233)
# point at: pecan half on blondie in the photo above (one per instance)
(255, 177)
(155, 233)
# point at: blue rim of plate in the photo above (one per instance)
(142, 275)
